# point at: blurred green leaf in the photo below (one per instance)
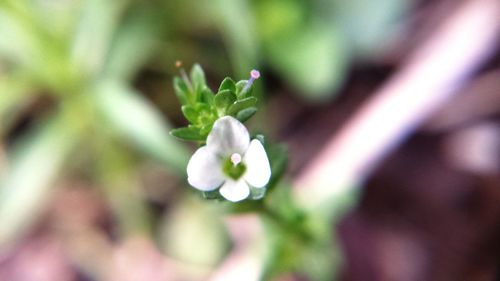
(198, 79)
(246, 113)
(181, 90)
(33, 167)
(276, 18)
(133, 116)
(227, 84)
(313, 59)
(119, 178)
(236, 21)
(14, 96)
(188, 133)
(278, 158)
(132, 44)
(379, 22)
(193, 232)
(16, 44)
(207, 96)
(94, 33)
(224, 99)
(190, 113)
(241, 104)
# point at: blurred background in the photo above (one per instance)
(92, 186)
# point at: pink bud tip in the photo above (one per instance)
(236, 158)
(255, 74)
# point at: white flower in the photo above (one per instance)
(229, 161)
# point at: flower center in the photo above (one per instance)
(236, 158)
(234, 167)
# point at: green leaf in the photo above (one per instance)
(314, 60)
(246, 113)
(137, 119)
(239, 31)
(190, 113)
(224, 99)
(188, 133)
(207, 96)
(198, 78)
(239, 89)
(15, 95)
(94, 33)
(131, 45)
(17, 40)
(181, 90)
(227, 84)
(241, 104)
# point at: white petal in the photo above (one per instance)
(235, 190)
(228, 136)
(258, 170)
(204, 170)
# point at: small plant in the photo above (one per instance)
(229, 164)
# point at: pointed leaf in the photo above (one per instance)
(135, 118)
(190, 113)
(207, 96)
(188, 133)
(198, 78)
(227, 84)
(241, 104)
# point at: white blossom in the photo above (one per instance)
(229, 161)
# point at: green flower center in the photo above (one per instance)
(234, 167)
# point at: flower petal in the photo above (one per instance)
(204, 170)
(235, 190)
(228, 136)
(258, 170)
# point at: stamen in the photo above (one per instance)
(254, 75)
(184, 75)
(235, 158)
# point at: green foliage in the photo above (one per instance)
(201, 107)
(223, 100)
(71, 69)
(245, 114)
(242, 104)
(188, 133)
(227, 84)
(35, 163)
(75, 61)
